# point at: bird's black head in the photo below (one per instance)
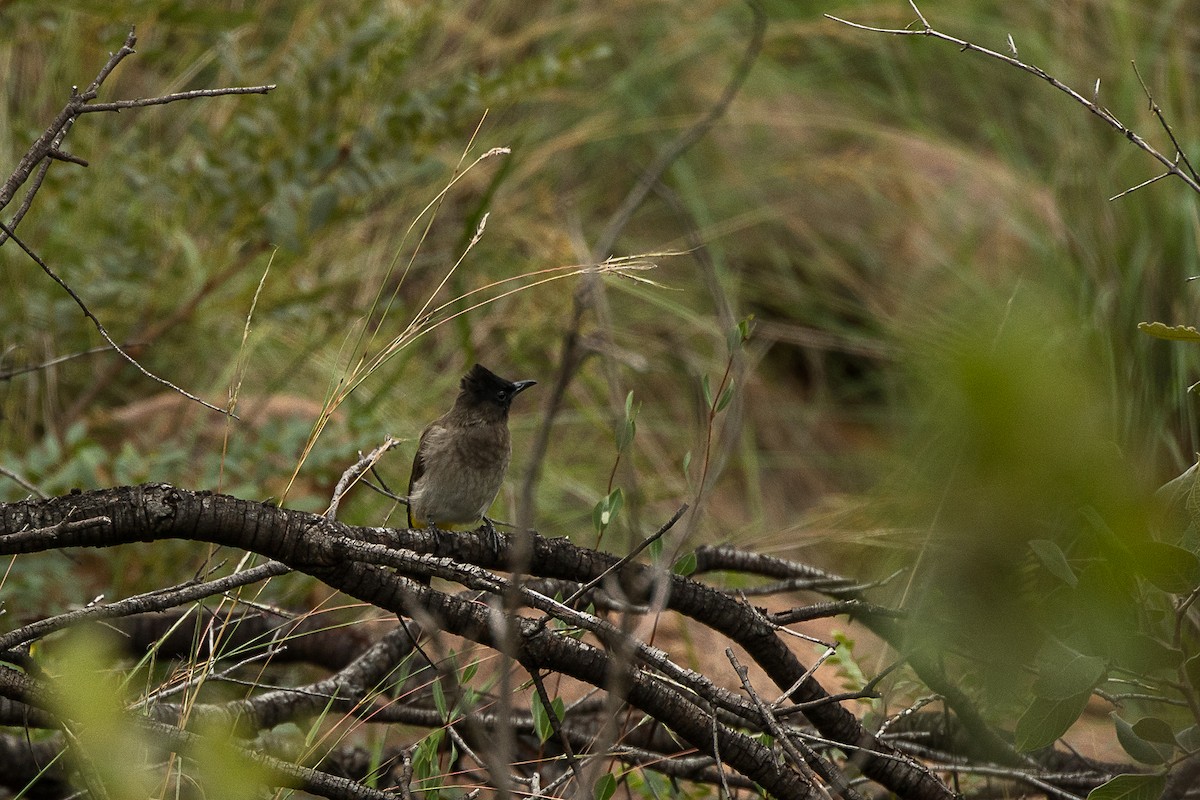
(483, 388)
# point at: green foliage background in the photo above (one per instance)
(945, 300)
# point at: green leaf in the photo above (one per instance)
(1189, 738)
(606, 510)
(469, 672)
(1153, 729)
(684, 565)
(323, 204)
(739, 333)
(1064, 673)
(687, 461)
(541, 720)
(1054, 560)
(1192, 669)
(1178, 333)
(1143, 653)
(1168, 567)
(606, 787)
(1130, 787)
(707, 387)
(726, 396)
(1047, 719)
(1137, 747)
(425, 757)
(627, 431)
(655, 550)
(439, 698)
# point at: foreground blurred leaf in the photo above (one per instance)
(1054, 560)
(1065, 673)
(1168, 567)
(1046, 720)
(1179, 333)
(87, 698)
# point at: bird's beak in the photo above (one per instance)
(520, 386)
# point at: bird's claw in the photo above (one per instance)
(492, 537)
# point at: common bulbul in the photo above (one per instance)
(463, 454)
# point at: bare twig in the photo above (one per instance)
(1162, 120)
(587, 296)
(104, 332)
(22, 482)
(649, 540)
(120, 105)
(12, 373)
(354, 472)
(1188, 177)
(156, 600)
(804, 757)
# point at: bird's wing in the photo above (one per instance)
(418, 469)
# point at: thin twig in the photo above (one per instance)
(804, 757)
(121, 105)
(1103, 113)
(100, 327)
(12, 373)
(573, 352)
(355, 471)
(23, 483)
(649, 540)
(1162, 120)
(156, 600)
(556, 725)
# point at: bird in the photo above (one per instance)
(462, 455)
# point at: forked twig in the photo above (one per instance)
(48, 147)
(1171, 165)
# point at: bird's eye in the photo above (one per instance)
(501, 396)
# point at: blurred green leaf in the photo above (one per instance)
(1170, 568)
(1130, 787)
(1064, 673)
(1189, 738)
(439, 699)
(1054, 560)
(628, 429)
(655, 550)
(726, 397)
(685, 565)
(606, 510)
(1047, 719)
(87, 697)
(1179, 333)
(222, 770)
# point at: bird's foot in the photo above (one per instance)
(492, 536)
